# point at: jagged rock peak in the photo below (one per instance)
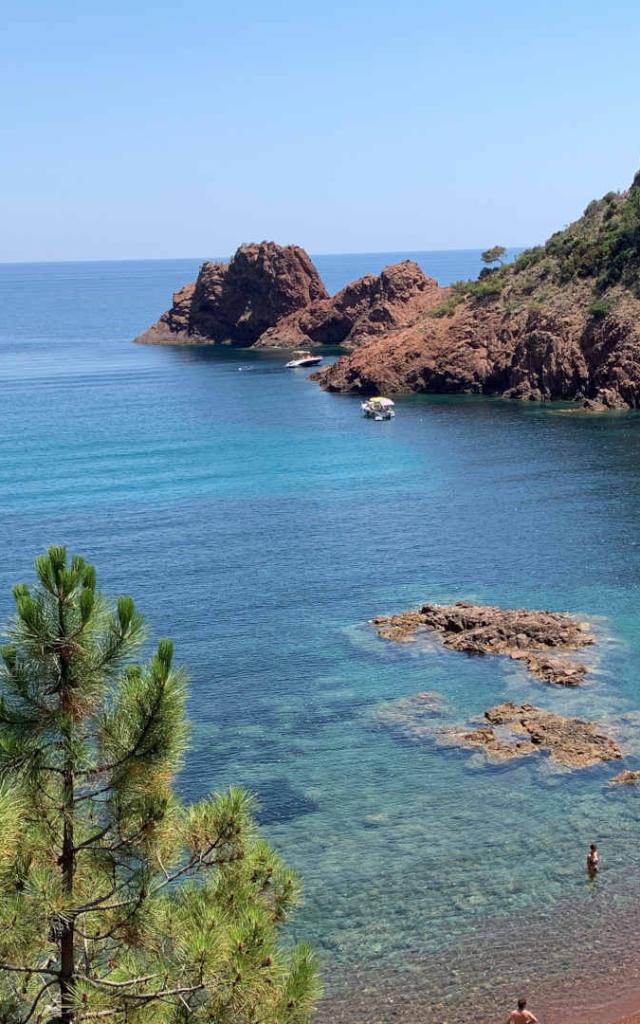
(364, 309)
(236, 302)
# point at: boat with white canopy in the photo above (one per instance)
(378, 408)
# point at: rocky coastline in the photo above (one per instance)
(561, 322)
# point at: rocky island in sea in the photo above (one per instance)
(561, 322)
(539, 639)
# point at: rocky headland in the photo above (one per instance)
(561, 322)
(537, 638)
(271, 296)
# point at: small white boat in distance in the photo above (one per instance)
(303, 359)
(378, 408)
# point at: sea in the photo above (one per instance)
(261, 523)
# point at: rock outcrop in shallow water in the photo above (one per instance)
(626, 778)
(518, 633)
(514, 731)
(237, 302)
(561, 322)
(370, 308)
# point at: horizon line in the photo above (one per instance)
(171, 259)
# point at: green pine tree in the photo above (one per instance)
(117, 902)
(494, 255)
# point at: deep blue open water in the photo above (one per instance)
(261, 522)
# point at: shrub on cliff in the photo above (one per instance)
(604, 245)
(488, 288)
(528, 259)
(601, 308)
(117, 902)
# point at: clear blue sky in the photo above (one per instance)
(140, 129)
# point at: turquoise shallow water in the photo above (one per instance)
(261, 523)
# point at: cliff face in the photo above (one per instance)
(563, 321)
(482, 349)
(361, 312)
(238, 301)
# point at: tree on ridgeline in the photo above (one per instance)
(494, 255)
(117, 902)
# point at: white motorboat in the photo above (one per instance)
(301, 359)
(378, 408)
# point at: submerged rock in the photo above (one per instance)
(513, 731)
(411, 717)
(236, 302)
(625, 778)
(517, 633)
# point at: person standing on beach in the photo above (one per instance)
(522, 1015)
(593, 861)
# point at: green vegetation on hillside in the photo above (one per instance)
(603, 245)
(600, 250)
(117, 902)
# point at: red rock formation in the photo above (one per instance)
(370, 308)
(483, 348)
(518, 633)
(560, 322)
(514, 731)
(238, 301)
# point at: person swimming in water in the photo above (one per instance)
(522, 1015)
(593, 861)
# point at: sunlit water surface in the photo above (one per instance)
(261, 522)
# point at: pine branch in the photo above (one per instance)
(34, 1004)
(27, 970)
(94, 839)
(123, 842)
(98, 903)
(118, 984)
(138, 999)
(99, 1013)
(94, 792)
(143, 998)
(194, 863)
(103, 936)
